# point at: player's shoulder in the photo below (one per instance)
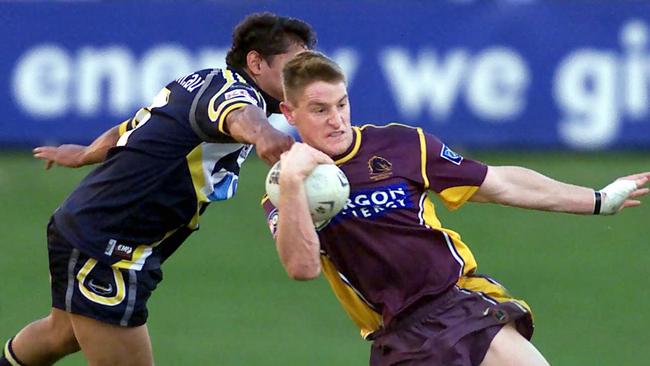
(220, 85)
(215, 77)
(391, 130)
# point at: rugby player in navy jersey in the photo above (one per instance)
(160, 170)
(408, 283)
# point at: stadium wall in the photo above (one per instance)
(498, 74)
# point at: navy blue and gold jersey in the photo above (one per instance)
(387, 249)
(172, 159)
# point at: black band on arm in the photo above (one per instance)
(597, 198)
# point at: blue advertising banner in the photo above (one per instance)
(569, 75)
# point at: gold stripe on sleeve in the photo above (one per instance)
(423, 158)
(226, 112)
(212, 113)
(454, 197)
(122, 127)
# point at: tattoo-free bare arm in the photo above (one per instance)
(74, 156)
(296, 240)
(526, 188)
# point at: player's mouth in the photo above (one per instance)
(335, 134)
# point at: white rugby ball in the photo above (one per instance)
(327, 190)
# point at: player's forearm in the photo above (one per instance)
(247, 124)
(525, 188)
(297, 242)
(97, 150)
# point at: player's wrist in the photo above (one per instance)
(597, 202)
(613, 196)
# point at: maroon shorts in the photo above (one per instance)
(454, 329)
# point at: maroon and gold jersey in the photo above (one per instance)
(387, 249)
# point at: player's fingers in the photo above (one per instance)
(640, 182)
(45, 152)
(638, 176)
(630, 203)
(45, 155)
(322, 158)
(44, 148)
(39, 149)
(639, 192)
(49, 164)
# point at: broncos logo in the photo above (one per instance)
(380, 168)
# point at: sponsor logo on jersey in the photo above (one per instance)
(448, 154)
(380, 168)
(240, 94)
(371, 204)
(123, 251)
(235, 93)
(119, 250)
(230, 97)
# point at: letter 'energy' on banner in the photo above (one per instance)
(482, 82)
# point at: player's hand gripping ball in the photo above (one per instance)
(327, 190)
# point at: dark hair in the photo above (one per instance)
(268, 34)
(306, 68)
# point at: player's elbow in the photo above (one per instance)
(303, 271)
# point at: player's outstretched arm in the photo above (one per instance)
(250, 125)
(522, 187)
(74, 156)
(296, 241)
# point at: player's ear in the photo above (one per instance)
(254, 62)
(287, 110)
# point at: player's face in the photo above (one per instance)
(321, 114)
(270, 72)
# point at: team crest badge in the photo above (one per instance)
(380, 168)
(273, 221)
(449, 155)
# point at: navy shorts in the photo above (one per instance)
(82, 285)
(453, 329)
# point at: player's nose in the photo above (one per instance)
(335, 119)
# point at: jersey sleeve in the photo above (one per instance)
(271, 215)
(132, 123)
(451, 176)
(222, 104)
(210, 113)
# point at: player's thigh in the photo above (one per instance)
(510, 348)
(60, 329)
(106, 344)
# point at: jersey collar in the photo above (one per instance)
(352, 150)
(272, 104)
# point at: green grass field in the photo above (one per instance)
(225, 299)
